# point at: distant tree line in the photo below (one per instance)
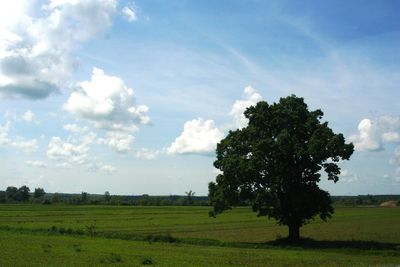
(364, 200)
(23, 194)
(13, 194)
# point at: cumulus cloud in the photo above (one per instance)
(129, 13)
(76, 152)
(67, 151)
(36, 51)
(75, 129)
(108, 169)
(199, 136)
(373, 133)
(216, 171)
(391, 137)
(251, 98)
(28, 116)
(119, 141)
(347, 176)
(147, 154)
(64, 165)
(27, 145)
(95, 166)
(108, 103)
(391, 179)
(36, 163)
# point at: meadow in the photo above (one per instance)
(69, 235)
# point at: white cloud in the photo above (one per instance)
(147, 154)
(129, 13)
(368, 137)
(68, 151)
(347, 176)
(27, 145)
(75, 129)
(239, 107)
(391, 137)
(199, 136)
(395, 160)
(76, 152)
(108, 169)
(64, 165)
(95, 166)
(119, 141)
(108, 103)
(391, 179)
(36, 163)
(373, 133)
(4, 129)
(28, 116)
(36, 52)
(216, 171)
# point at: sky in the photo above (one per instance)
(131, 97)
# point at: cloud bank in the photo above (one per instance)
(36, 51)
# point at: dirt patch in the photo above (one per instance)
(389, 204)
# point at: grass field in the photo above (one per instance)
(39, 235)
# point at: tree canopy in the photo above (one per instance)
(275, 163)
(39, 192)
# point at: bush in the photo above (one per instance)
(46, 201)
(147, 261)
(112, 258)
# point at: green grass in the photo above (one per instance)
(44, 250)
(185, 236)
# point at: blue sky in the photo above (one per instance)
(132, 97)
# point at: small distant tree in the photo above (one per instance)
(275, 164)
(189, 197)
(23, 193)
(56, 198)
(39, 192)
(84, 197)
(144, 200)
(107, 197)
(3, 197)
(11, 193)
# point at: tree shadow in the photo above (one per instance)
(309, 243)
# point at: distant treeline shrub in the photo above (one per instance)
(362, 200)
(39, 196)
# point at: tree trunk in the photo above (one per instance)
(294, 233)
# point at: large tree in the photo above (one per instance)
(39, 192)
(12, 193)
(275, 163)
(23, 193)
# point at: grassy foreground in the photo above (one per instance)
(34, 235)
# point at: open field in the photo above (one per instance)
(186, 236)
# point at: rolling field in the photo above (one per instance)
(39, 235)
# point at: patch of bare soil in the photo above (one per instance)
(389, 204)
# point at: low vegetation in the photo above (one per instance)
(65, 235)
(39, 196)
